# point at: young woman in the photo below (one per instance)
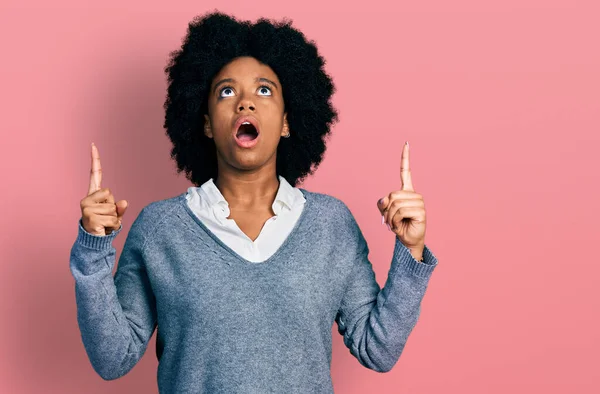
(244, 274)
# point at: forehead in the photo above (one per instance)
(245, 68)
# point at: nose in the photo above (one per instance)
(246, 104)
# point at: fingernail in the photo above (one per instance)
(406, 143)
(382, 219)
(380, 201)
(389, 228)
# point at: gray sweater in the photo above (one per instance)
(227, 325)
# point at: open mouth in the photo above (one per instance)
(246, 132)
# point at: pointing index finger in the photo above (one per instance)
(96, 171)
(405, 176)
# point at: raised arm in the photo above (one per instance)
(376, 324)
(116, 316)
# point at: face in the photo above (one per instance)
(246, 91)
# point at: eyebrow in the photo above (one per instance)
(226, 80)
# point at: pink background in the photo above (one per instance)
(499, 102)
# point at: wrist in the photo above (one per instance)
(417, 251)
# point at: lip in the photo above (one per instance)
(252, 120)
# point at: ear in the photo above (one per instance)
(207, 130)
(285, 130)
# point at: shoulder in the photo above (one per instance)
(336, 219)
(328, 205)
(333, 212)
(155, 212)
(162, 206)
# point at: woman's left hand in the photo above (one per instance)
(404, 210)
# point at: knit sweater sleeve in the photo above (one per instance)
(116, 316)
(375, 323)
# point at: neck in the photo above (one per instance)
(248, 191)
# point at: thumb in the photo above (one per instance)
(382, 203)
(121, 208)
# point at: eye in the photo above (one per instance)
(226, 89)
(263, 88)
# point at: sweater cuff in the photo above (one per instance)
(405, 259)
(98, 242)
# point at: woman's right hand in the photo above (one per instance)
(99, 213)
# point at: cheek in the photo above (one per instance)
(220, 118)
(272, 114)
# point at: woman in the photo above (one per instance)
(244, 274)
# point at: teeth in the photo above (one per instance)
(246, 123)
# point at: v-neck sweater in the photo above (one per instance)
(228, 325)
(210, 206)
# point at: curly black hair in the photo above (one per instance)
(212, 41)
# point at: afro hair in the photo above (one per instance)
(212, 41)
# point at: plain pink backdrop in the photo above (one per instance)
(499, 101)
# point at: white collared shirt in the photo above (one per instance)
(209, 205)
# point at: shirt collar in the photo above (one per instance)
(287, 196)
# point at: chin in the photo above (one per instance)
(247, 161)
